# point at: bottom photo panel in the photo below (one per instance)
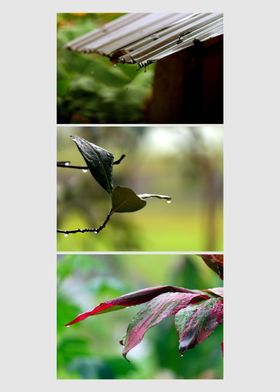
(140, 316)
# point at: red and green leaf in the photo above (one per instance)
(197, 321)
(131, 299)
(160, 307)
(216, 263)
(197, 313)
(216, 291)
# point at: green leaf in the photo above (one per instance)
(104, 72)
(125, 200)
(98, 160)
(150, 195)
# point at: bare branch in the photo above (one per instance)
(86, 230)
(67, 164)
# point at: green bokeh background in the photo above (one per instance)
(183, 162)
(90, 88)
(91, 349)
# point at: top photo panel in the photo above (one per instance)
(140, 68)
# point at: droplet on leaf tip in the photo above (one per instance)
(67, 163)
(85, 170)
(168, 201)
(66, 234)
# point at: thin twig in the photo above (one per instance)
(119, 160)
(87, 230)
(67, 164)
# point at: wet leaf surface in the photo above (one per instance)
(160, 307)
(126, 200)
(134, 298)
(197, 321)
(98, 160)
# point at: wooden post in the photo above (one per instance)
(188, 85)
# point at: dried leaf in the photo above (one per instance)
(134, 298)
(126, 200)
(197, 321)
(98, 160)
(153, 312)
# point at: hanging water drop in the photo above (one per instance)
(66, 234)
(67, 163)
(168, 201)
(95, 232)
(85, 170)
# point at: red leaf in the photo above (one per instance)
(216, 263)
(196, 322)
(131, 299)
(217, 291)
(153, 312)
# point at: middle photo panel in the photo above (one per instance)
(140, 188)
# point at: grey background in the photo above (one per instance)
(28, 193)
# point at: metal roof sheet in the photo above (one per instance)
(143, 38)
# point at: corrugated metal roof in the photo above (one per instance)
(143, 38)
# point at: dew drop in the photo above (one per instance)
(67, 326)
(181, 355)
(66, 234)
(95, 232)
(85, 170)
(67, 163)
(168, 201)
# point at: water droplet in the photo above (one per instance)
(181, 355)
(85, 170)
(67, 326)
(168, 201)
(67, 163)
(66, 234)
(95, 232)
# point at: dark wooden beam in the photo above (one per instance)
(188, 86)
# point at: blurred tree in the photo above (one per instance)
(90, 89)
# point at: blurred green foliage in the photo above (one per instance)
(91, 349)
(182, 162)
(90, 89)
